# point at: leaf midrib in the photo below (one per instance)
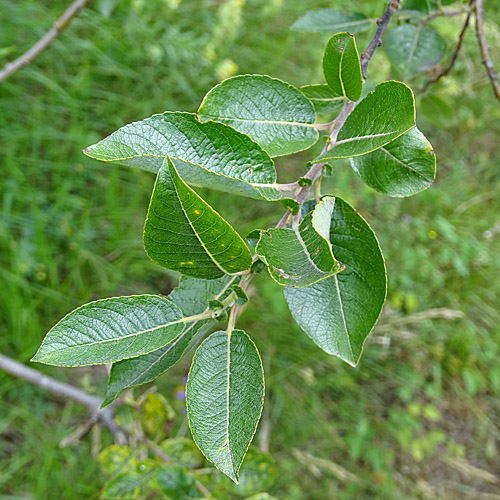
(259, 120)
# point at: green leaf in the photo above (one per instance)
(273, 113)
(257, 473)
(414, 49)
(129, 485)
(225, 394)
(183, 233)
(342, 68)
(382, 116)
(291, 204)
(322, 98)
(417, 7)
(176, 482)
(191, 297)
(209, 154)
(333, 21)
(112, 329)
(183, 452)
(403, 167)
(338, 313)
(303, 256)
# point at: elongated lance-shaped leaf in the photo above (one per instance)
(382, 116)
(303, 256)
(209, 154)
(191, 296)
(333, 21)
(322, 98)
(414, 49)
(183, 233)
(108, 330)
(225, 395)
(342, 68)
(404, 167)
(339, 312)
(273, 113)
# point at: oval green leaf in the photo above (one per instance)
(339, 312)
(112, 329)
(273, 113)
(414, 49)
(382, 116)
(342, 68)
(322, 98)
(225, 395)
(333, 21)
(183, 233)
(191, 297)
(403, 167)
(209, 154)
(303, 256)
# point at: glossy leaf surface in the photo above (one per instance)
(183, 233)
(225, 394)
(191, 297)
(339, 312)
(273, 113)
(112, 329)
(342, 68)
(322, 98)
(382, 116)
(403, 167)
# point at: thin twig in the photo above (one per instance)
(93, 403)
(317, 169)
(44, 42)
(447, 69)
(444, 13)
(485, 48)
(377, 39)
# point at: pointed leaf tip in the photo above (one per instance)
(224, 396)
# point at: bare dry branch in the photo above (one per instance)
(485, 48)
(444, 71)
(382, 23)
(104, 415)
(44, 42)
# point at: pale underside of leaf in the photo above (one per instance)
(191, 297)
(208, 154)
(303, 256)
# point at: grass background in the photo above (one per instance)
(420, 415)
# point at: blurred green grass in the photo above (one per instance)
(423, 407)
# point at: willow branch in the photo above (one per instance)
(458, 48)
(317, 169)
(382, 23)
(44, 42)
(104, 415)
(485, 48)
